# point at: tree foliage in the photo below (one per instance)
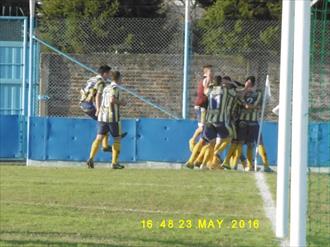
(81, 25)
(239, 25)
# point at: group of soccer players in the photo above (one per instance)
(101, 100)
(227, 113)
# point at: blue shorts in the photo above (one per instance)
(247, 132)
(89, 109)
(211, 131)
(104, 128)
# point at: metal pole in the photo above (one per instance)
(284, 121)
(32, 5)
(23, 103)
(185, 95)
(299, 150)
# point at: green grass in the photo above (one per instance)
(42, 206)
(318, 220)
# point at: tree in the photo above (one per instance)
(236, 25)
(244, 29)
(82, 26)
(141, 8)
(67, 23)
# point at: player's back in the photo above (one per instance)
(218, 100)
(109, 112)
(251, 98)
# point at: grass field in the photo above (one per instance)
(102, 207)
(43, 206)
(318, 220)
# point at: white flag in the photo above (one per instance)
(276, 110)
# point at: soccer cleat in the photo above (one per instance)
(244, 163)
(117, 166)
(90, 163)
(107, 149)
(203, 167)
(268, 169)
(197, 165)
(215, 167)
(189, 165)
(248, 169)
(225, 166)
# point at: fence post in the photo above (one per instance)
(185, 95)
(32, 5)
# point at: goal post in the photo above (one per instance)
(299, 150)
(284, 121)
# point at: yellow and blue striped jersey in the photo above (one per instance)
(219, 100)
(250, 98)
(94, 85)
(231, 105)
(109, 112)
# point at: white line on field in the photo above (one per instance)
(269, 205)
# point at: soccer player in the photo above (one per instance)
(109, 121)
(91, 94)
(248, 126)
(201, 103)
(229, 107)
(217, 114)
(91, 97)
(234, 109)
(199, 160)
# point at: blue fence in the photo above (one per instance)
(10, 141)
(14, 71)
(69, 139)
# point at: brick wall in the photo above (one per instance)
(157, 78)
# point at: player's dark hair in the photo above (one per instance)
(103, 69)
(227, 78)
(218, 79)
(115, 75)
(252, 79)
